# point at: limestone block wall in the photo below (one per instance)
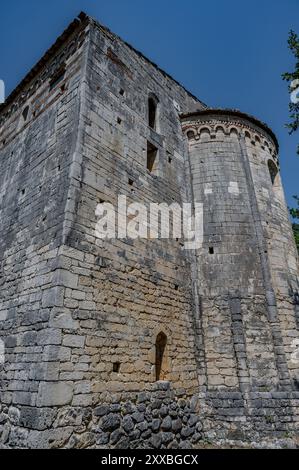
(128, 291)
(103, 304)
(38, 134)
(279, 246)
(252, 419)
(246, 329)
(238, 335)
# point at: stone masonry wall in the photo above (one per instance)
(280, 248)
(138, 287)
(152, 419)
(108, 302)
(237, 334)
(254, 419)
(246, 331)
(80, 316)
(158, 418)
(38, 138)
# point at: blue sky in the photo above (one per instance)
(228, 53)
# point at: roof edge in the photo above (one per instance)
(236, 113)
(80, 21)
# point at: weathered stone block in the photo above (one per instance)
(55, 393)
(74, 341)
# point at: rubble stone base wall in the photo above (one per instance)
(160, 418)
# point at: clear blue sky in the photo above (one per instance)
(228, 53)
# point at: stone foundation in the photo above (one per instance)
(159, 419)
(253, 419)
(155, 419)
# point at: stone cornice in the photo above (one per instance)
(230, 117)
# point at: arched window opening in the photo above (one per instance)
(204, 133)
(233, 132)
(161, 343)
(152, 112)
(273, 170)
(219, 130)
(190, 135)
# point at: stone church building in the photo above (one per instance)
(140, 343)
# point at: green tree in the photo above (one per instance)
(293, 43)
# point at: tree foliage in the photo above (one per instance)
(293, 43)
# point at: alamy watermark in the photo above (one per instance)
(2, 91)
(151, 221)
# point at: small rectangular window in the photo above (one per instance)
(57, 78)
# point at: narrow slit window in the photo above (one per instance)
(161, 342)
(152, 113)
(25, 113)
(151, 162)
(273, 170)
